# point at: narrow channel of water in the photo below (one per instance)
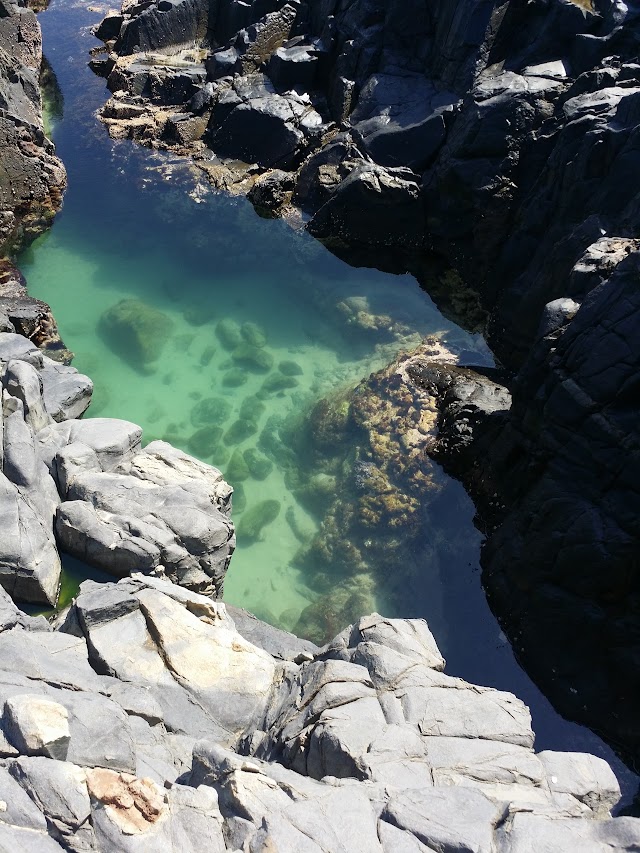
(140, 242)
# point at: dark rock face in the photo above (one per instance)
(32, 179)
(564, 562)
(556, 479)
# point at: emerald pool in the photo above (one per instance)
(142, 235)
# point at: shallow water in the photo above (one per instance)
(138, 225)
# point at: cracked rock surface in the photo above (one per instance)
(181, 734)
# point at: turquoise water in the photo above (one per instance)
(241, 325)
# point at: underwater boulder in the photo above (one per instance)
(199, 315)
(239, 498)
(205, 441)
(212, 411)
(328, 423)
(290, 368)
(253, 334)
(234, 378)
(207, 355)
(252, 408)
(228, 333)
(240, 430)
(277, 382)
(237, 469)
(256, 518)
(259, 466)
(343, 604)
(254, 358)
(136, 331)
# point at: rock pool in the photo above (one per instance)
(219, 331)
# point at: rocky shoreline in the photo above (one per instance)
(32, 178)
(149, 716)
(496, 140)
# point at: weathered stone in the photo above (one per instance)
(60, 792)
(37, 726)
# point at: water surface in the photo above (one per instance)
(138, 225)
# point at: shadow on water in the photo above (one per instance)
(239, 326)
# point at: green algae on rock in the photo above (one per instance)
(252, 408)
(239, 498)
(277, 382)
(256, 518)
(253, 334)
(212, 411)
(228, 333)
(205, 441)
(290, 368)
(136, 330)
(240, 430)
(347, 600)
(259, 466)
(234, 377)
(254, 358)
(237, 470)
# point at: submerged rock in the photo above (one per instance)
(259, 466)
(235, 377)
(277, 382)
(237, 470)
(256, 518)
(228, 333)
(254, 358)
(210, 412)
(240, 430)
(290, 368)
(205, 442)
(253, 334)
(136, 330)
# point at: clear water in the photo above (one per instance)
(139, 225)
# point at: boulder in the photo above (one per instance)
(372, 206)
(37, 726)
(157, 510)
(159, 25)
(137, 331)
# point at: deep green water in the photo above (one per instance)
(138, 225)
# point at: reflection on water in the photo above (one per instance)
(220, 332)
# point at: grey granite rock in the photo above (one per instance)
(59, 790)
(36, 726)
(171, 713)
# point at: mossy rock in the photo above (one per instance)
(239, 501)
(234, 378)
(136, 331)
(329, 423)
(290, 368)
(253, 334)
(212, 411)
(239, 430)
(343, 604)
(256, 518)
(237, 469)
(259, 466)
(228, 333)
(254, 358)
(278, 382)
(205, 441)
(252, 408)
